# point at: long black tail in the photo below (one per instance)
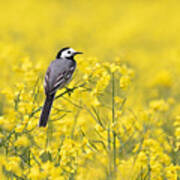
(46, 110)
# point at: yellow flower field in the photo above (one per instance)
(122, 119)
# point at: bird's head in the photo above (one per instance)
(67, 52)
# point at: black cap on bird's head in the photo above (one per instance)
(67, 52)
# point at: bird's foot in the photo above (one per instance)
(69, 90)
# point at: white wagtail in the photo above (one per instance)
(58, 75)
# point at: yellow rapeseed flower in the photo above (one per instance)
(22, 141)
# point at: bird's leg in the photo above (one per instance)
(69, 90)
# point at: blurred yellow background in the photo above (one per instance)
(136, 42)
(143, 33)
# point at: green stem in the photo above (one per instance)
(60, 95)
(113, 121)
(109, 149)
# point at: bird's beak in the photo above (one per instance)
(78, 53)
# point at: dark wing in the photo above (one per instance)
(62, 79)
(58, 81)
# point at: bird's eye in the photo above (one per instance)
(69, 52)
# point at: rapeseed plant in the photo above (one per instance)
(122, 118)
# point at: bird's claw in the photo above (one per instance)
(69, 91)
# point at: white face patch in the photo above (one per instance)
(67, 53)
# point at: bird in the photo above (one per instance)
(58, 75)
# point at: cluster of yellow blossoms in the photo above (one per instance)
(93, 131)
(122, 119)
